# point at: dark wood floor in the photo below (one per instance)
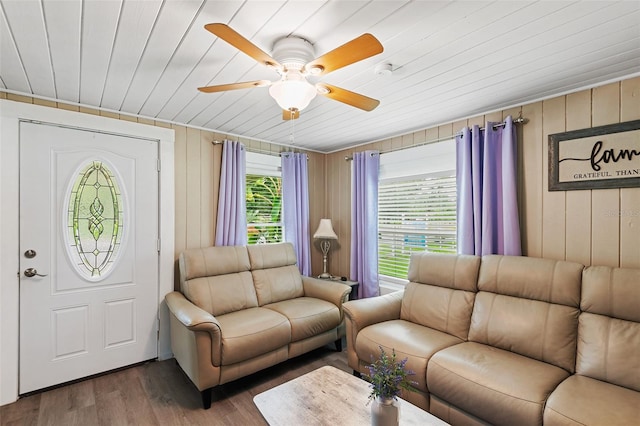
(158, 393)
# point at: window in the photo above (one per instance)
(416, 206)
(263, 199)
(95, 220)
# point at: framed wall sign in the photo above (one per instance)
(600, 157)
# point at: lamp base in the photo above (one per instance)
(324, 245)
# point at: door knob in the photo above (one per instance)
(31, 272)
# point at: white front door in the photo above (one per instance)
(88, 253)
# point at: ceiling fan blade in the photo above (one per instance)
(351, 52)
(345, 96)
(290, 115)
(239, 42)
(234, 86)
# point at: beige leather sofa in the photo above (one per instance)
(242, 309)
(510, 340)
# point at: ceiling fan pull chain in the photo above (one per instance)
(291, 136)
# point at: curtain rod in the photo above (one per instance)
(518, 120)
(261, 151)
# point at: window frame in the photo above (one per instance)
(428, 161)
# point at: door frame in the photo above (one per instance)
(11, 113)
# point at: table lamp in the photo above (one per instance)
(325, 234)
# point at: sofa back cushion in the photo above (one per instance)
(529, 306)
(275, 274)
(609, 329)
(546, 280)
(441, 291)
(217, 279)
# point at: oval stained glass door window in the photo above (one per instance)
(94, 221)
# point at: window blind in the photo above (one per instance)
(264, 209)
(415, 214)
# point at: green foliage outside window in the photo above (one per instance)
(264, 209)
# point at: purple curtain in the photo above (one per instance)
(295, 207)
(364, 222)
(486, 176)
(231, 227)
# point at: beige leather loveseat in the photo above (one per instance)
(242, 309)
(510, 340)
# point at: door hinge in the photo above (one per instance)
(158, 328)
(158, 164)
(158, 245)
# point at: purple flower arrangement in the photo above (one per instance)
(388, 376)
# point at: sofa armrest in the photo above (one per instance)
(196, 320)
(191, 316)
(331, 291)
(364, 312)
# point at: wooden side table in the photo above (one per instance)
(354, 286)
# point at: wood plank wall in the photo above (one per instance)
(197, 181)
(600, 227)
(593, 227)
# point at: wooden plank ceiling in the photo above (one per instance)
(451, 59)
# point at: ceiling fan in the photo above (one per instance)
(293, 59)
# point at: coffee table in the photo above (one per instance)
(329, 396)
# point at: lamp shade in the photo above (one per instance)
(293, 92)
(325, 230)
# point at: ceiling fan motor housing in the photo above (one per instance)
(293, 52)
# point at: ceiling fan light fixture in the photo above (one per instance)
(293, 92)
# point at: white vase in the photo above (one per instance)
(385, 412)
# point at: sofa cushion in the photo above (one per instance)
(546, 280)
(265, 256)
(459, 272)
(277, 284)
(252, 332)
(308, 316)
(443, 309)
(409, 340)
(217, 279)
(529, 306)
(612, 292)
(448, 283)
(543, 331)
(205, 262)
(581, 400)
(497, 386)
(222, 294)
(609, 327)
(275, 274)
(609, 350)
